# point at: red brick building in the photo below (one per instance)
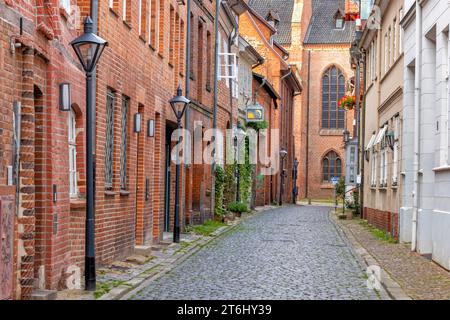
(275, 86)
(42, 203)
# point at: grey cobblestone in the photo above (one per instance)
(288, 253)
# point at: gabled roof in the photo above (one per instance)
(284, 9)
(322, 27)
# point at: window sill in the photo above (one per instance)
(151, 47)
(442, 169)
(160, 55)
(113, 12)
(109, 193)
(77, 203)
(170, 65)
(326, 186)
(124, 193)
(208, 88)
(141, 37)
(127, 24)
(331, 132)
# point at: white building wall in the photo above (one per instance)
(433, 235)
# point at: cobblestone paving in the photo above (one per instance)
(289, 253)
(420, 278)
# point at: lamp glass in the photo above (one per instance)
(151, 128)
(64, 97)
(137, 122)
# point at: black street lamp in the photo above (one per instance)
(89, 47)
(294, 178)
(283, 154)
(178, 104)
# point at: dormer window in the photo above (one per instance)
(339, 19)
(273, 18)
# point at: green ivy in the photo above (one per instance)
(219, 186)
(245, 174)
(259, 125)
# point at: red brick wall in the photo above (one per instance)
(320, 141)
(383, 220)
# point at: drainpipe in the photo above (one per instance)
(363, 140)
(417, 93)
(215, 99)
(307, 128)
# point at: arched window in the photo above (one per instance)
(72, 153)
(333, 89)
(331, 166)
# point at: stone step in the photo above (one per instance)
(40, 294)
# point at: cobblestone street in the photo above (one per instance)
(288, 253)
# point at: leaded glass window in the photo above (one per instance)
(124, 142)
(331, 166)
(109, 145)
(333, 89)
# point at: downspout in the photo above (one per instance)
(363, 139)
(417, 93)
(215, 100)
(307, 129)
(187, 92)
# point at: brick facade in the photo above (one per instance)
(321, 141)
(141, 68)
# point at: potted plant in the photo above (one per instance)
(238, 208)
(347, 102)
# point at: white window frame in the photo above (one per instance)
(394, 40)
(383, 167)
(227, 66)
(373, 170)
(124, 10)
(149, 20)
(72, 137)
(443, 123)
(65, 4)
(400, 32)
(386, 53)
(140, 17)
(395, 163)
(111, 3)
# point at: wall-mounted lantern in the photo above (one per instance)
(64, 97)
(137, 122)
(151, 128)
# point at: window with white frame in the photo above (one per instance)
(395, 161)
(382, 162)
(394, 40)
(400, 32)
(389, 47)
(65, 4)
(140, 17)
(386, 54)
(111, 3)
(444, 128)
(124, 10)
(373, 169)
(72, 154)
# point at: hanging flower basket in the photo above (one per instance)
(347, 102)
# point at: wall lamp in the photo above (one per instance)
(137, 122)
(151, 128)
(65, 97)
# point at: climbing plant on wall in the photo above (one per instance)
(219, 187)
